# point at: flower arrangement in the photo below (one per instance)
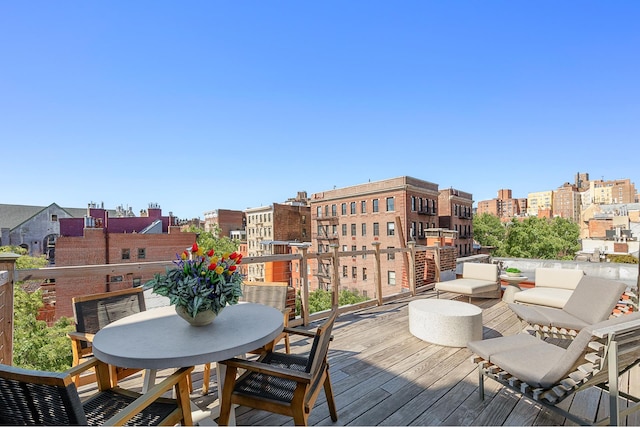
(201, 281)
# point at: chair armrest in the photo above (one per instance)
(81, 336)
(302, 332)
(84, 366)
(149, 397)
(263, 368)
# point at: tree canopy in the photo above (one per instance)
(209, 240)
(531, 237)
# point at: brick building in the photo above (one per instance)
(455, 209)
(228, 222)
(389, 213)
(98, 239)
(566, 202)
(270, 231)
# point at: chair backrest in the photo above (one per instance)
(94, 312)
(320, 346)
(268, 294)
(476, 270)
(38, 398)
(594, 298)
(563, 278)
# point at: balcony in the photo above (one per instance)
(383, 375)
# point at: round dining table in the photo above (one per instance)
(159, 338)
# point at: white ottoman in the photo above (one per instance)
(445, 322)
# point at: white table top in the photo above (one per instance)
(159, 338)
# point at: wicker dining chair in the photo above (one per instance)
(282, 383)
(29, 397)
(92, 313)
(268, 294)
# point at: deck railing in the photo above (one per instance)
(9, 275)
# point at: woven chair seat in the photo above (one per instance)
(270, 387)
(102, 406)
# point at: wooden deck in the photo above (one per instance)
(383, 375)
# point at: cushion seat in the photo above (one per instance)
(550, 297)
(466, 286)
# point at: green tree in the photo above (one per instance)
(541, 238)
(36, 346)
(320, 300)
(489, 231)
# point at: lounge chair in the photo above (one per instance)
(478, 280)
(548, 374)
(591, 302)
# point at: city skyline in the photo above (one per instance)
(214, 105)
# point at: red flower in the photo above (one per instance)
(212, 266)
(233, 255)
(232, 268)
(194, 248)
(210, 253)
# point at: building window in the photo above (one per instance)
(363, 206)
(375, 205)
(391, 255)
(353, 248)
(334, 230)
(126, 254)
(54, 217)
(319, 212)
(142, 253)
(354, 272)
(353, 208)
(376, 229)
(344, 248)
(390, 204)
(353, 229)
(304, 219)
(137, 281)
(334, 210)
(344, 271)
(413, 229)
(343, 208)
(391, 229)
(364, 256)
(391, 278)
(364, 274)
(115, 279)
(344, 229)
(364, 229)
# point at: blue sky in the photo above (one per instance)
(200, 105)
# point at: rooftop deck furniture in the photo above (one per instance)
(159, 338)
(591, 302)
(282, 383)
(93, 312)
(30, 397)
(478, 280)
(553, 287)
(445, 322)
(268, 294)
(548, 374)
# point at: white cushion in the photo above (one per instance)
(476, 270)
(550, 297)
(563, 278)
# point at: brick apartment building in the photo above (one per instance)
(389, 213)
(270, 231)
(566, 202)
(99, 239)
(504, 206)
(229, 222)
(455, 210)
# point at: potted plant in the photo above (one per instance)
(513, 272)
(201, 284)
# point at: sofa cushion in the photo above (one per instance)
(466, 286)
(594, 298)
(562, 278)
(487, 348)
(551, 297)
(475, 270)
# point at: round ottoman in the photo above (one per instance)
(445, 322)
